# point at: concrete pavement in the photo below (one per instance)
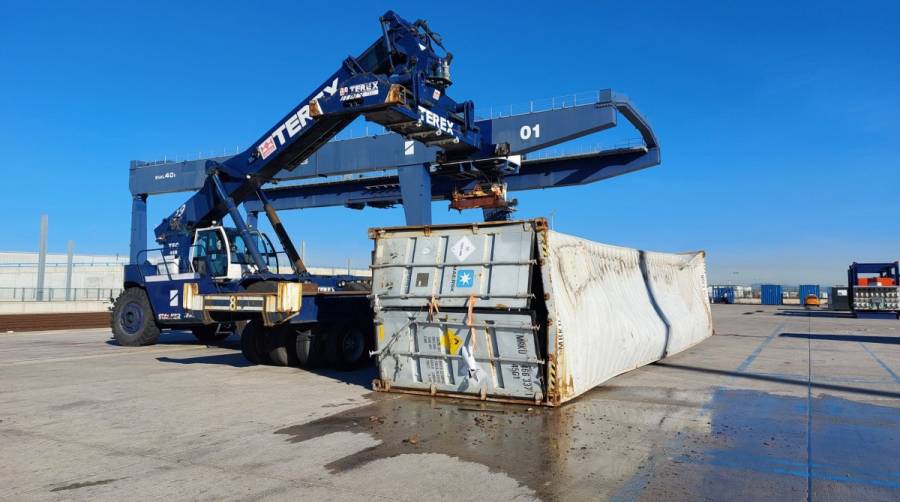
(781, 403)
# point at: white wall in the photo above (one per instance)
(19, 270)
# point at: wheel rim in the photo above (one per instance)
(132, 317)
(352, 346)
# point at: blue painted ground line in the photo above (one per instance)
(882, 363)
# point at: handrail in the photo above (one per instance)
(35, 264)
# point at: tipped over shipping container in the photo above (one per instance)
(513, 311)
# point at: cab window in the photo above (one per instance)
(265, 247)
(210, 252)
(240, 254)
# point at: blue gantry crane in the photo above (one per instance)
(206, 277)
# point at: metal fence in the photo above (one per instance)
(58, 294)
(77, 264)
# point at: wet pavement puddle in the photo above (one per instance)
(531, 444)
(763, 445)
(643, 443)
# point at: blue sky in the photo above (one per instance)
(778, 123)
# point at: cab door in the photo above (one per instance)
(210, 254)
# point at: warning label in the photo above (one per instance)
(463, 249)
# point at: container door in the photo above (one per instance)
(496, 355)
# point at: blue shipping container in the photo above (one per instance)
(723, 294)
(808, 289)
(770, 294)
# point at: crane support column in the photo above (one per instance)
(415, 188)
(138, 226)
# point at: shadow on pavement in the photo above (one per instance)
(362, 377)
(236, 360)
(188, 338)
(815, 313)
(790, 381)
(893, 340)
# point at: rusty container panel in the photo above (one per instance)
(496, 356)
(450, 264)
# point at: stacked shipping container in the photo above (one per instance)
(770, 294)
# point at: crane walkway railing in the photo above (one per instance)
(362, 129)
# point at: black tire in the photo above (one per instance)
(133, 323)
(211, 333)
(309, 348)
(281, 346)
(348, 347)
(252, 340)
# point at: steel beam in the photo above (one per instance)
(523, 133)
(386, 191)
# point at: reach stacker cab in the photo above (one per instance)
(220, 256)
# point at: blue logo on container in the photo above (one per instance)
(465, 278)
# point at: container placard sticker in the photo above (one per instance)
(451, 341)
(465, 278)
(463, 248)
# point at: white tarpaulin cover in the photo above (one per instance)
(614, 309)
